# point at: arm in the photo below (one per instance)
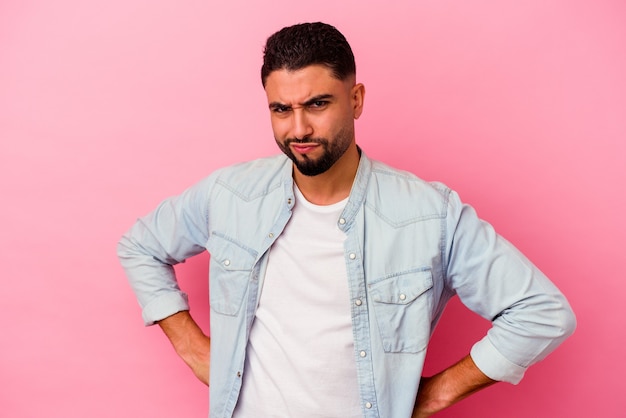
(448, 387)
(189, 342)
(176, 230)
(530, 317)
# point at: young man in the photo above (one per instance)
(329, 270)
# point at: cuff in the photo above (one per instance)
(164, 306)
(492, 363)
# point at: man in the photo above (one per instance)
(329, 271)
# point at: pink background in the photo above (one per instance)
(108, 107)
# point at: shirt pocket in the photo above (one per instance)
(402, 306)
(230, 270)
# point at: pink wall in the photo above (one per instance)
(108, 107)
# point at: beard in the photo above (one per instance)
(333, 151)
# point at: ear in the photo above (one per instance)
(357, 96)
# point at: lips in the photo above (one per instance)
(303, 148)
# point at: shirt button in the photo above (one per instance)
(271, 235)
(362, 353)
(342, 221)
(368, 405)
(402, 296)
(227, 263)
(352, 256)
(358, 302)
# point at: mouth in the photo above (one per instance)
(303, 148)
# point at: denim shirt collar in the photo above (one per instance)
(357, 194)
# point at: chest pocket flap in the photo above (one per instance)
(229, 274)
(403, 306)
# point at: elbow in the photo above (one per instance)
(123, 248)
(559, 323)
(127, 250)
(569, 322)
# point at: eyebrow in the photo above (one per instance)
(309, 102)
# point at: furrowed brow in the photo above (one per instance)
(317, 98)
(278, 105)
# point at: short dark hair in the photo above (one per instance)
(298, 46)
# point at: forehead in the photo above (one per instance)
(291, 87)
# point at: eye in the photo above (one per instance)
(278, 109)
(318, 104)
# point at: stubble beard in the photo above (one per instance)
(333, 151)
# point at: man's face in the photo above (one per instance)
(313, 115)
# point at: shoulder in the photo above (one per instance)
(253, 178)
(390, 184)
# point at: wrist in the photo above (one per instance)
(435, 394)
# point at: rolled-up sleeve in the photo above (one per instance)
(530, 316)
(176, 230)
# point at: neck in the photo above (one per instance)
(334, 184)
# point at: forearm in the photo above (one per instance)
(449, 386)
(190, 343)
(153, 281)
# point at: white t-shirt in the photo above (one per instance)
(300, 357)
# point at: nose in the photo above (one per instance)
(301, 125)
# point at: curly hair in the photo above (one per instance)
(298, 46)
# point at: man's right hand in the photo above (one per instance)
(190, 343)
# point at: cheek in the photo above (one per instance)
(337, 123)
(278, 127)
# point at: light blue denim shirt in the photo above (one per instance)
(410, 246)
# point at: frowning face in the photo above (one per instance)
(313, 115)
